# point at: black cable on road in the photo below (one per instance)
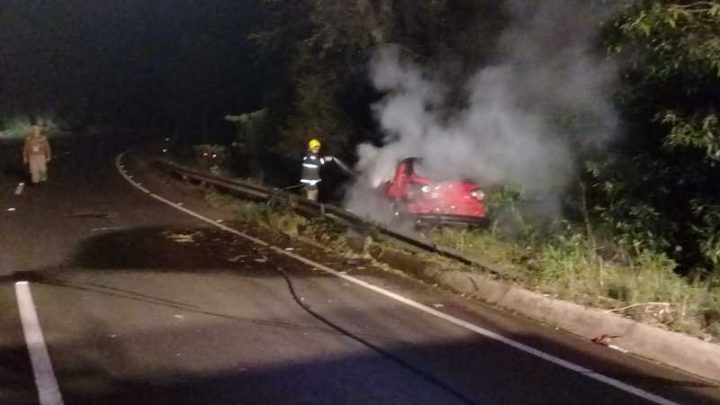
(389, 356)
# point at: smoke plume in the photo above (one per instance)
(525, 117)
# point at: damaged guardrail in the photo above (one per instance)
(306, 207)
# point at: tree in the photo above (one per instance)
(319, 52)
(670, 98)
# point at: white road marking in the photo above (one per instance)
(45, 381)
(11, 209)
(121, 169)
(19, 189)
(421, 307)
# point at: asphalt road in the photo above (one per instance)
(142, 304)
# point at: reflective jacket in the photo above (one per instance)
(312, 162)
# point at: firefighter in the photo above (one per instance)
(312, 162)
(37, 154)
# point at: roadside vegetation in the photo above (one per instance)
(643, 285)
(653, 189)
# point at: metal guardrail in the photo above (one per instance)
(311, 208)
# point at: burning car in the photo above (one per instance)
(415, 195)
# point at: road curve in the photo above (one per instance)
(141, 303)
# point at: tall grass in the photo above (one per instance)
(568, 266)
(592, 267)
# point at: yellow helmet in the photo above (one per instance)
(314, 144)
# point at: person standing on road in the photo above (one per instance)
(37, 154)
(312, 162)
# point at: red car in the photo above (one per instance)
(435, 202)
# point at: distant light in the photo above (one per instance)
(11, 209)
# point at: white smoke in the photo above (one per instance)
(547, 69)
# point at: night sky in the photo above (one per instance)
(131, 62)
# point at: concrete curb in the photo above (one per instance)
(671, 348)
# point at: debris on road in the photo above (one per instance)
(606, 340)
(236, 258)
(179, 237)
(438, 305)
(262, 260)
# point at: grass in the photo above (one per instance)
(645, 288)
(511, 256)
(280, 218)
(271, 216)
